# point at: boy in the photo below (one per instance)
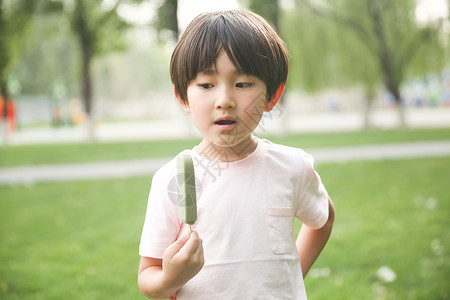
(227, 69)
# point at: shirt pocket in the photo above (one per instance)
(279, 222)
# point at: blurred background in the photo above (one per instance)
(97, 65)
(87, 115)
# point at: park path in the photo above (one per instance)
(142, 167)
(271, 125)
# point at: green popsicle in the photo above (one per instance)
(187, 198)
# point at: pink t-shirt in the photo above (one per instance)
(246, 211)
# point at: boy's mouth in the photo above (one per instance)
(225, 122)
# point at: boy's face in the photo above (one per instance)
(226, 106)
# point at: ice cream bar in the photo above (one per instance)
(187, 198)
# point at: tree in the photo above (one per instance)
(15, 20)
(268, 9)
(98, 29)
(324, 55)
(390, 35)
(166, 19)
(50, 50)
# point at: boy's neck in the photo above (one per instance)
(221, 154)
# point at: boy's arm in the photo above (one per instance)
(161, 278)
(310, 242)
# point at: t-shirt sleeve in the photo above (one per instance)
(312, 206)
(161, 225)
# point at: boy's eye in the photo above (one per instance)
(206, 85)
(243, 84)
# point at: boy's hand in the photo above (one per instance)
(183, 259)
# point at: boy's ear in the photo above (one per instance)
(184, 104)
(275, 98)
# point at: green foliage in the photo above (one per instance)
(98, 29)
(166, 20)
(15, 21)
(353, 41)
(98, 26)
(268, 9)
(50, 50)
(139, 73)
(324, 54)
(316, 47)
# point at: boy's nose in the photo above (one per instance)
(225, 99)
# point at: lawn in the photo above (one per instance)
(79, 240)
(70, 153)
(389, 213)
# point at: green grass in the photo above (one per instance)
(389, 213)
(79, 240)
(76, 240)
(71, 153)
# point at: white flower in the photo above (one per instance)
(431, 203)
(385, 274)
(437, 247)
(320, 272)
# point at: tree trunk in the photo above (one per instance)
(3, 125)
(401, 114)
(86, 40)
(174, 19)
(167, 18)
(368, 109)
(86, 87)
(386, 62)
(274, 15)
(394, 89)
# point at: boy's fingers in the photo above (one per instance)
(194, 242)
(194, 249)
(176, 246)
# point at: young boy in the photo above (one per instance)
(227, 69)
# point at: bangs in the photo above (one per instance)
(214, 37)
(246, 39)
